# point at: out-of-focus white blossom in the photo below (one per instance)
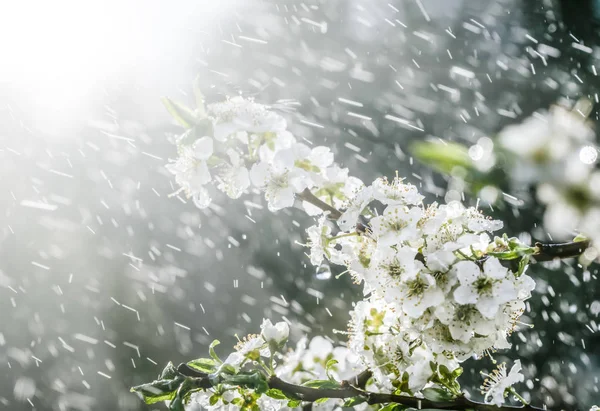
(554, 152)
(308, 361)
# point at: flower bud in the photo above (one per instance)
(277, 333)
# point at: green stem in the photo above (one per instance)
(337, 237)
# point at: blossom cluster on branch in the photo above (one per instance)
(438, 288)
(553, 153)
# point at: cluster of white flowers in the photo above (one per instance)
(556, 152)
(317, 360)
(395, 354)
(239, 142)
(308, 361)
(251, 348)
(437, 291)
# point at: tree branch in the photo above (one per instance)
(309, 197)
(359, 380)
(551, 251)
(347, 391)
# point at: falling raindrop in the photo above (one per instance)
(323, 272)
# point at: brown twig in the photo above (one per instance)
(309, 197)
(359, 380)
(551, 251)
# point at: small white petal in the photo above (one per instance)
(465, 294)
(203, 148)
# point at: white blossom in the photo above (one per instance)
(334, 187)
(237, 114)
(277, 333)
(397, 224)
(319, 242)
(487, 288)
(496, 384)
(396, 192)
(191, 168)
(279, 183)
(354, 208)
(235, 179)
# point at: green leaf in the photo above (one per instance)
(393, 407)
(579, 238)
(402, 384)
(206, 365)
(255, 380)
(211, 351)
(213, 399)
(183, 393)
(328, 367)
(354, 401)
(321, 400)
(294, 403)
(159, 390)
(169, 372)
(442, 156)
(436, 394)
(261, 386)
(182, 114)
(275, 393)
(457, 372)
(326, 384)
(177, 405)
(445, 372)
(523, 262)
(516, 250)
(227, 369)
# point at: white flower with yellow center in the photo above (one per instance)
(397, 224)
(279, 183)
(497, 385)
(487, 288)
(396, 192)
(277, 333)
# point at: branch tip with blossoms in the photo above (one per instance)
(438, 289)
(543, 251)
(553, 154)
